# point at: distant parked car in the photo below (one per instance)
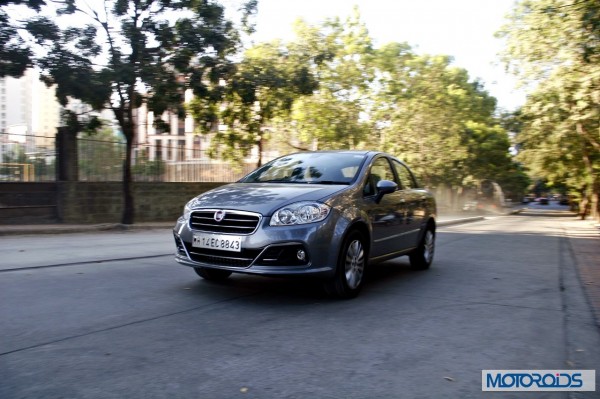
(470, 206)
(325, 214)
(544, 201)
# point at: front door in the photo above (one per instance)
(389, 216)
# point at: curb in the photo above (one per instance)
(70, 229)
(453, 222)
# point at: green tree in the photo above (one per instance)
(489, 158)
(100, 155)
(553, 46)
(10, 167)
(260, 93)
(432, 116)
(147, 170)
(335, 116)
(15, 53)
(126, 52)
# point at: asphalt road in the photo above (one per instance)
(502, 294)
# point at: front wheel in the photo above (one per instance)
(349, 274)
(212, 274)
(422, 257)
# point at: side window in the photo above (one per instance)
(407, 181)
(380, 170)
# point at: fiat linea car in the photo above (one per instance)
(327, 214)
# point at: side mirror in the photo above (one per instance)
(385, 187)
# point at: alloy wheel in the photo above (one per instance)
(355, 264)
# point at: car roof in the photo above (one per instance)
(358, 152)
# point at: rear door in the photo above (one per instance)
(415, 201)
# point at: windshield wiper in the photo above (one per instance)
(280, 181)
(333, 182)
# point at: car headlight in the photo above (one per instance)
(187, 209)
(300, 213)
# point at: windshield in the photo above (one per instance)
(309, 167)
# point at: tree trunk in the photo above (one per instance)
(260, 152)
(583, 207)
(593, 191)
(128, 208)
(595, 200)
(125, 118)
(67, 166)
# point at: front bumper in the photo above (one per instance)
(309, 250)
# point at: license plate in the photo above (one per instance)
(221, 242)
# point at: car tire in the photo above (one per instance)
(422, 257)
(350, 271)
(212, 274)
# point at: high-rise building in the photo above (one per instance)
(28, 105)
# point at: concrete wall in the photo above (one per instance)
(97, 202)
(27, 203)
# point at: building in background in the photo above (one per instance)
(179, 143)
(30, 116)
(28, 106)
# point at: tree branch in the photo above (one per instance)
(583, 133)
(295, 147)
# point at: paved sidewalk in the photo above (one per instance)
(584, 240)
(30, 229)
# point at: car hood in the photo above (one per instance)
(264, 198)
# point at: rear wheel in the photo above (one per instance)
(349, 274)
(422, 257)
(212, 274)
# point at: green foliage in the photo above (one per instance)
(260, 92)
(554, 47)
(133, 51)
(15, 164)
(15, 155)
(432, 116)
(100, 156)
(333, 117)
(125, 52)
(326, 122)
(330, 88)
(15, 54)
(147, 170)
(85, 123)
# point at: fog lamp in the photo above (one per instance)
(301, 255)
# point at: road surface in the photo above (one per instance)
(502, 293)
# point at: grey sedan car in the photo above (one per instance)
(327, 214)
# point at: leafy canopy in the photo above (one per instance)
(554, 47)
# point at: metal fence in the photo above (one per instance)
(33, 158)
(27, 158)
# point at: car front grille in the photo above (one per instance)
(233, 222)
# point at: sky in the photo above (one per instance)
(463, 29)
